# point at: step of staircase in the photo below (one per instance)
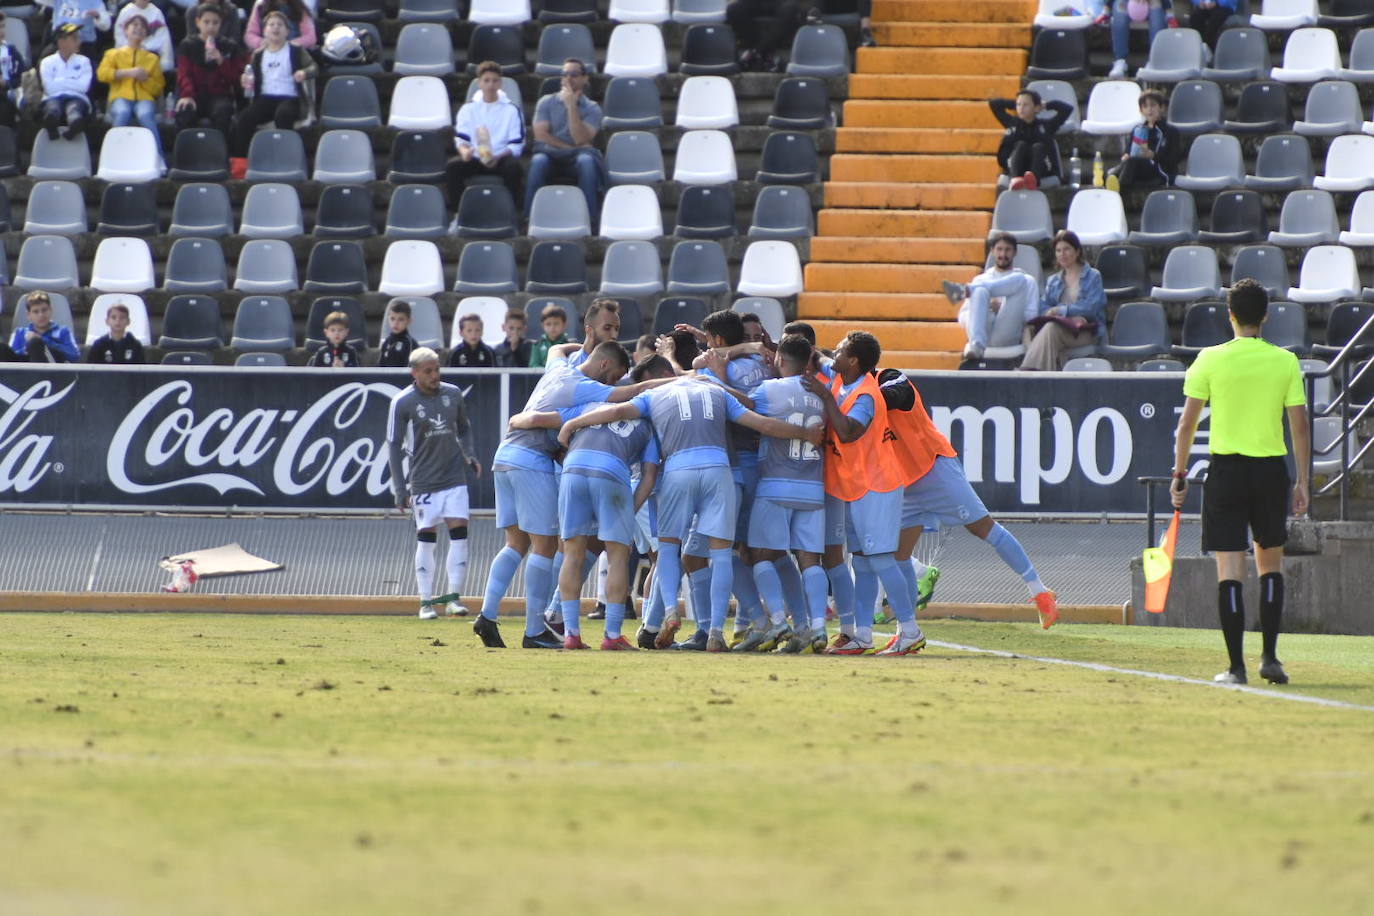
(943, 113)
(906, 196)
(876, 306)
(876, 278)
(949, 61)
(951, 35)
(916, 140)
(935, 336)
(942, 223)
(971, 169)
(1010, 11)
(865, 249)
(923, 86)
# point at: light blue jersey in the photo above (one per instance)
(790, 471)
(609, 449)
(562, 385)
(689, 417)
(578, 357)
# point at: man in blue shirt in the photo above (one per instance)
(565, 124)
(42, 340)
(689, 416)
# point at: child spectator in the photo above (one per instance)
(66, 77)
(1028, 152)
(89, 16)
(12, 67)
(398, 345)
(1153, 150)
(514, 352)
(135, 77)
(208, 71)
(119, 346)
(42, 340)
(231, 18)
(275, 82)
(554, 321)
(159, 37)
(300, 25)
(644, 348)
(471, 353)
(337, 353)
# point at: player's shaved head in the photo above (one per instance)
(802, 328)
(794, 351)
(651, 367)
(609, 362)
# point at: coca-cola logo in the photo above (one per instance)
(24, 455)
(327, 443)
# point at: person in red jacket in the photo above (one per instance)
(208, 72)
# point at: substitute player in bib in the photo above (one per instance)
(428, 422)
(1251, 385)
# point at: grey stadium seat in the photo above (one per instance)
(559, 42)
(1139, 330)
(1058, 54)
(1125, 270)
(1265, 264)
(487, 212)
(359, 67)
(678, 310)
(1261, 109)
(59, 159)
(344, 211)
(423, 49)
(782, 212)
(320, 309)
(263, 324)
(425, 324)
(1059, 91)
(768, 309)
(350, 102)
(557, 267)
(1196, 107)
(535, 306)
(191, 323)
(1168, 218)
(1087, 364)
(196, 265)
(1343, 324)
(1308, 218)
(1284, 163)
(1025, 214)
(260, 360)
(336, 267)
(697, 268)
(1214, 164)
(634, 157)
(416, 211)
(1241, 54)
(1205, 324)
(692, 11)
(276, 155)
(559, 212)
(1333, 108)
(1360, 68)
(271, 211)
(487, 269)
(1237, 216)
(128, 208)
(1161, 365)
(266, 266)
(705, 212)
(631, 268)
(428, 11)
(192, 358)
(1175, 55)
(47, 262)
(55, 208)
(632, 103)
(1190, 273)
(1285, 325)
(345, 157)
(202, 209)
(819, 50)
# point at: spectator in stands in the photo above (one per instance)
(1153, 149)
(565, 124)
(135, 77)
(1074, 310)
(489, 135)
(208, 71)
(1209, 18)
(554, 322)
(231, 19)
(1000, 286)
(515, 351)
(1028, 152)
(471, 353)
(865, 10)
(66, 78)
(337, 353)
(1123, 13)
(118, 347)
(761, 43)
(397, 347)
(275, 82)
(42, 340)
(90, 18)
(12, 67)
(300, 25)
(159, 37)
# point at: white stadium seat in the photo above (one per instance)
(412, 267)
(122, 265)
(705, 157)
(770, 268)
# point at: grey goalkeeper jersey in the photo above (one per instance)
(433, 431)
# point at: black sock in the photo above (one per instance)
(1231, 610)
(1271, 611)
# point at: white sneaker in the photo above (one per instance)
(1118, 70)
(972, 351)
(454, 609)
(427, 612)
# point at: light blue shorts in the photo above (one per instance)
(748, 478)
(874, 523)
(773, 526)
(646, 527)
(836, 520)
(596, 505)
(942, 496)
(525, 498)
(707, 493)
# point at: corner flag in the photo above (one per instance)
(1158, 564)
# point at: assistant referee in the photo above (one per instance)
(1251, 385)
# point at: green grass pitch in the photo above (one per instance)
(199, 764)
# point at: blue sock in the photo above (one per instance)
(554, 610)
(669, 572)
(615, 616)
(538, 585)
(888, 571)
(865, 590)
(770, 589)
(749, 602)
(699, 587)
(570, 607)
(722, 582)
(654, 610)
(1014, 555)
(913, 586)
(503, 570)
(842, 586)
(817, 586)
(793, 590)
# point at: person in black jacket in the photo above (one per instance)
(1152, 150)
(337, 353)
(119, 346)
(398, 345)
(1028, 152)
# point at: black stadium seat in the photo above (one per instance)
(200, 154)
(678, 310)
(336, 267)
(344, 212)
(191, 323)
(568, 11)
(127, 209)
(557, 267)
(487, 212)
(1058, 54)
(789, 158)
(708, 48)
(705, 212)
(801, 103)
(419, 157)
(1237, 216)
(502, 43)
(1125, 271)
(320, 309)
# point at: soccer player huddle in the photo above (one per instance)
(770, 473)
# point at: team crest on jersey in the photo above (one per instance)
(420, 412)
(444, 400)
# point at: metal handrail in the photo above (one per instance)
(1150, 484)
(1341, 401)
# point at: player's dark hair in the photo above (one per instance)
(746, 317)
(614, 353)
(795, 350)
(652, 365)
(864, 347)
(600, 304)
(400, 307)
(1002, 237)
(685, 348)
(1249, 302)
(725, 324)
(802, 328)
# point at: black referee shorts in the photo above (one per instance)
(1243, 493)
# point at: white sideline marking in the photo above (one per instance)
(1157, 676)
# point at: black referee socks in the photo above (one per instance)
(1231, 610)
(1271, 611)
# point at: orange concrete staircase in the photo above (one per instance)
(913, 178)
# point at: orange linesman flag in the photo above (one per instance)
(1158, 563)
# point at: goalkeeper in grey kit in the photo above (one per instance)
(428, 423)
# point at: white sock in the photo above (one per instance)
(909, 629)
(1035, 586)
(864, 635)
(457, 564)
(601, 564)
(919, 567)
(424, 569)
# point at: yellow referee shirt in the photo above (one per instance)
(1249, 382)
